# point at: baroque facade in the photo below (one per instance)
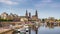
(28, 17)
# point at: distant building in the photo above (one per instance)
(50, 19)
(25, 18)
(14, 17)
(35, 17)
(28, 17)
(4, 15)
(36, 14)
(26, 14)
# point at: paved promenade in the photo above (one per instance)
(5, 30)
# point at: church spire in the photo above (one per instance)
(26, 14)
(29, 14)
(36, 14)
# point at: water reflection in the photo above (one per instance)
(47, 28)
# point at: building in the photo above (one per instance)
(35, 17)
(4, 15)
(14, 17)
(50, 19)
(28, 17)
(24, 18)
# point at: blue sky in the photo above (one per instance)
(45, 8)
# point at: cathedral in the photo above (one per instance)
(29, 17)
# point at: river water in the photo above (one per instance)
(47, 30)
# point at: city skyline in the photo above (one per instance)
(45, 8)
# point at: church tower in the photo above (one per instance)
(29, 15)
(26, 14)
(36, 14)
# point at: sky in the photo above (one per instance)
(45, 8)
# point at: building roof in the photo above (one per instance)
(4, 13)
(23, 17)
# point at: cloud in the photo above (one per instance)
(8, 2)
(55, 5)
(43, 3)
(47, 3)
(14, 2)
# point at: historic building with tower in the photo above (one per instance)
(35, 17)
(29, 17)
(15, 17)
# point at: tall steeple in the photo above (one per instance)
(36, 14)
(29, 14)
(26, 14)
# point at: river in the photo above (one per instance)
(47, 30)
